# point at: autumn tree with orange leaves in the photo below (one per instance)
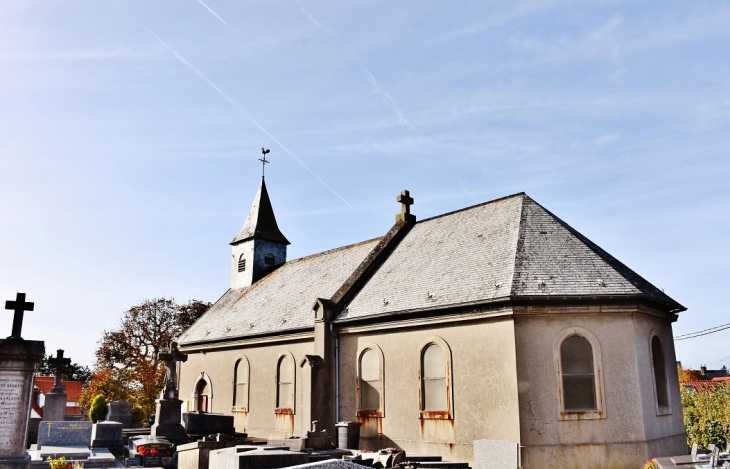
(127, 367)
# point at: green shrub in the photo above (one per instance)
(707, 415)
(138, 414)
(98, 408)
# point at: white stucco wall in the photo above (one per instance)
(631, 431)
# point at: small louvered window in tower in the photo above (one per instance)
(241, 264)
(269, 259)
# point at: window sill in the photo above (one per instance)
(284, 411)
(239, 409)
(436, 415)
(663, 410)
(582, 415)
(373, 414)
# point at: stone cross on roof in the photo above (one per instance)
(171, 356)
(59, 363)
(406, 201)
(19, 306)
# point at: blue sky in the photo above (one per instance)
(130, 134)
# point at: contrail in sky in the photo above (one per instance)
(220, 91)
(214, 13)
(370, 77)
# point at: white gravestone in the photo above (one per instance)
(496, 454)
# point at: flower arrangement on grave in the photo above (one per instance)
(650, 464)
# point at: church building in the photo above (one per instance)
(496, 321)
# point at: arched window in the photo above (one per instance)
(240, 385)
(579, 386)
(285, 383)
(203, 392)
(269, 259)
(434, 391)
(370, 386)
(660, 372)
(241, 263)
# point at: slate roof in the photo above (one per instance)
(507, 249)
(260, 222)
(280, 301)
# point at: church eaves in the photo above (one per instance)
(261, 222)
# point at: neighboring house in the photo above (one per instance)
(497, 321)
(73, 393)
(714, 374)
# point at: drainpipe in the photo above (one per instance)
(337, 375)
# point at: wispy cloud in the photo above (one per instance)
(377, 87)
(185, 62)
(211, 10)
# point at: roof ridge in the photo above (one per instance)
(518, 194)
(520, 241)
(329, 251)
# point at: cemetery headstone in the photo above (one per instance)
(18, 358)
(54, 409)
(119, 411)
(108, 435)
(64, 434)
(167, 418)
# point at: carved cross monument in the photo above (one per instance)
(19, 306)
(18, 358)
(167, 418)
(59, 362)
(55, 407)
(171, 356)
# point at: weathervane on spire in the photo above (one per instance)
(264, 161)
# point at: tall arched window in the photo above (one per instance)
(660, 372)
(241, 263)
(370, 380)
(434, 390)
(203, 392)
(579, 385)
(285, 383)
(240, 385)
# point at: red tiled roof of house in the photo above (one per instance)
(704, 384)
(73, 388)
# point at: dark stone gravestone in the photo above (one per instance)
(108, 435)
(68, 439)
(18, 358)
(203, 423)
(119, 411)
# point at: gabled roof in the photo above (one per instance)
(261, 222)
(510, 248)
(280, 301)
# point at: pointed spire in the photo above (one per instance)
(260, 222)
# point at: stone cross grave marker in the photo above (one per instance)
(19, 307)
(171, 356)
(59, 362)
(54, 409)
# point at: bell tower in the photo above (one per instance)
(259, 247)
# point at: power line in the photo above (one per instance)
(703, 332)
